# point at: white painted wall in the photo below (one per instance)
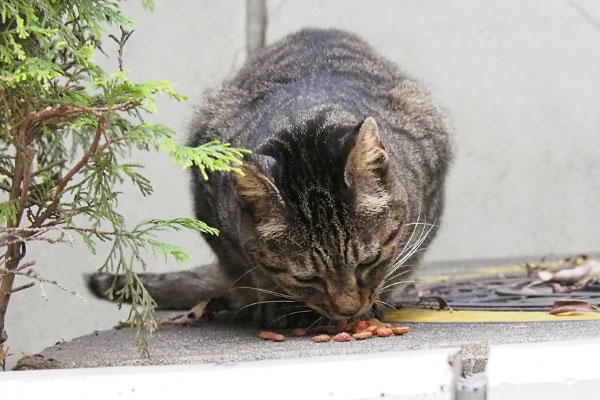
(520, 80)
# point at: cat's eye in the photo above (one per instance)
(372, 259)
(310, 280)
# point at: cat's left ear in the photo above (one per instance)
(366, 168)
(260, 197)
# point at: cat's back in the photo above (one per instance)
(301, 74)
(313, 54)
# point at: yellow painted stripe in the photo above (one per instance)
(445, 316)
(478, 273)
(501, 269)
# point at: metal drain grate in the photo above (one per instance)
(498, 293)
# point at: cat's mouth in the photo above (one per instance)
(341, 317)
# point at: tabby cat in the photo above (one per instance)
(343, 189)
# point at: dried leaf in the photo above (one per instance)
(590, 269)
(441, 302)
(572, 305)
(193, 315)
(528, 290)
(558, 288)
(545, 276)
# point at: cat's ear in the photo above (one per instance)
(261, 198)
(366, 169)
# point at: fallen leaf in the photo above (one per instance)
(559, 288)
(590, 269)
(545, 276)
(193, 315)
(572, 305)
(441, 302)
(528, 290)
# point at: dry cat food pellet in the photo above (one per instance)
(400, 330)
(342, 337)
(359, 326)
(378, 323)
(372, 329)
(374, 321)
(362, 335)
(321, 338)
(384, 332)
(275, 337)
(299, 332)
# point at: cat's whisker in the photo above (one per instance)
(316, 321)
(408, 246)
(242, 275)
(287, 315)
(277, 294)
(386, 304)
(422, 223)
(397, 275)
(288, 307)
(413, 249)
(400, 264)
(383, 289)
(261, 302)
(411, 235)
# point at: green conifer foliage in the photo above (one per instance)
(66, 130)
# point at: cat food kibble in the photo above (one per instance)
(372, 329)
(321, 338)
(342, 337)
(362, 335)
(384, 332)
(378, 323)
(400, 330)
(343, 331)
(275, 337)
(299, 332)
(359, 326)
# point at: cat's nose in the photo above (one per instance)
(347, 307)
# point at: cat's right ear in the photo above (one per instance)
(366, 169)
(260, 197)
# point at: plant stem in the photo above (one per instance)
(14, 251)
(103, 123)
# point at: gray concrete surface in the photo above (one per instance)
(228, 340)
(224, 343)
(520, 80)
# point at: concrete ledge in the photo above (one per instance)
(424, 374)
(558, 370)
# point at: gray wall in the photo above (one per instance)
(519, 78)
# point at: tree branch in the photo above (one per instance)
(49, 166)
(19, 288)
(103, 122)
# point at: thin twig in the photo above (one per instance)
(34, 275)
(19, 288)
(49, 166)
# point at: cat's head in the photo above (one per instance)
(322, 215)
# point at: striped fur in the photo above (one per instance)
(328, 196)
